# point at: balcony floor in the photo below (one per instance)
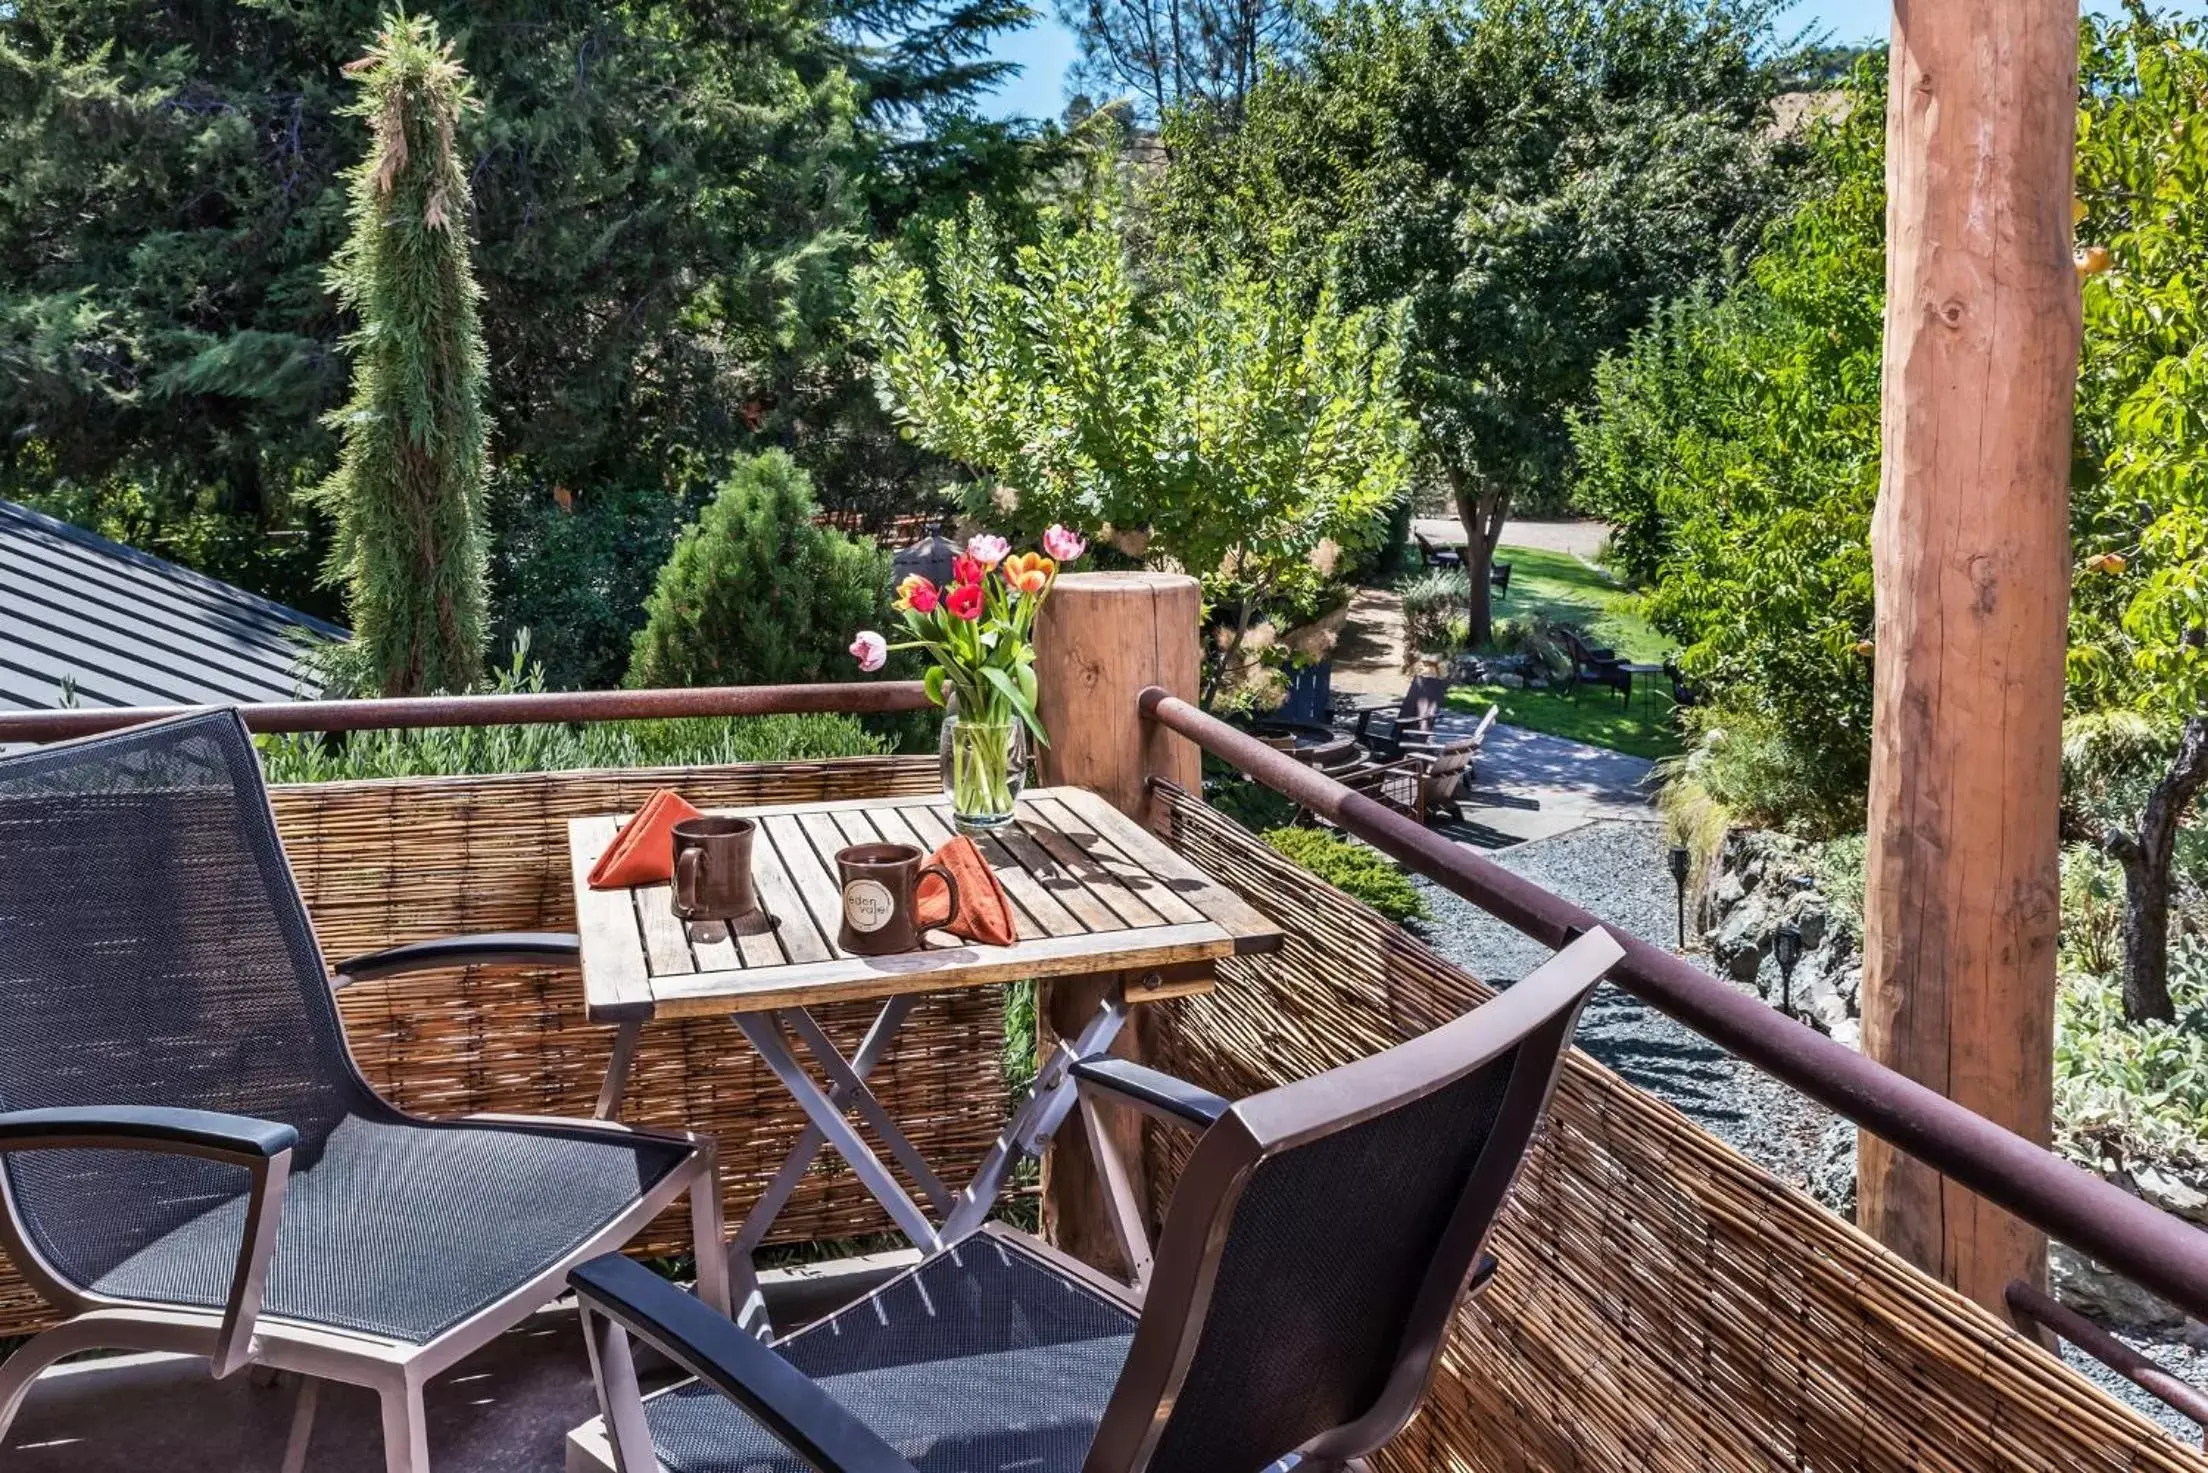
(506, 1409)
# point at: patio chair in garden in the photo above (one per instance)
(1498, 578)
(1429, 778)
(1382, 732)
(190, 1161)
(1313, 1256)
(1437, 557)
(1597, 665)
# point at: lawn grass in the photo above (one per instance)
(1591, 714)
(1564, 588)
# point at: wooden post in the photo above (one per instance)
(1970, 546)
(1102, 638)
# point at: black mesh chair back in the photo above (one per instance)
(1323, 1233)
(153, 951)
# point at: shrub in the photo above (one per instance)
(757, 594)
(1351, 867)
(2139, 1088)
(1434, 605)
(451, 751)
(1752, 766)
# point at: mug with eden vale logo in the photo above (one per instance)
(880, 882)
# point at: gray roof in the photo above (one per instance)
(128, 629)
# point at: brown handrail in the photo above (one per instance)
(2142, 1242)
(523, 708)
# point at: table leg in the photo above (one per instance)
(1045, 1109)
(617, 1070)
(765, 1035)
(848, 1090)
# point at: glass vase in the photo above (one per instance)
(984, 768)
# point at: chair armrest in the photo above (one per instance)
(777, 1395)
(554, 947)
(1150, 1091)
(239, 1138)
(262, 1147)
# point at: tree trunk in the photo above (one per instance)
(2146, 863)
(1482, 507)
(1970, 546)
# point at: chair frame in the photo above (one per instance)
(1173, 1287)
(239, 1334)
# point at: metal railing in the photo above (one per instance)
(2163, 1252)
(525, 708)
(2128, 1235)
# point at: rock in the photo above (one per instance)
(2171, 1192)
(1849, 1034)
(2109, 1297)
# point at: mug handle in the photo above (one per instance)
(687, 862)
(950, 885)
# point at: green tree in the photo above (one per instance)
(407, 493)
(668, 198)
(2139, 615)
(1528, 176)
(1215, 422)
(1733, 444)
(757, 593)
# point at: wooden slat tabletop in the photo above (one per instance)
(1091, 891)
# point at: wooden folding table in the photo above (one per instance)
(1091, 890)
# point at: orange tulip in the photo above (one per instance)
(1029, 572)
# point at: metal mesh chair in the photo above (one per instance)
(190, 1160)
(1313, 1257)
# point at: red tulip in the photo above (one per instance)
(965, 569)
(964, 601)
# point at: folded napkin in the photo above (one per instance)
(984, 910)
(643, 853)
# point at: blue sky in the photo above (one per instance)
(1046, 51)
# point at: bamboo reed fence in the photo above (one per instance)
(412, 858)
(1663, 1303)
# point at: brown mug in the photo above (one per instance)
(713, 870)
(880, 882)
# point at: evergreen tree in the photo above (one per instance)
(757, 593)
(407, 494)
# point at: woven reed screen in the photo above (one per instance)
(1663, 1303)
(408, 859)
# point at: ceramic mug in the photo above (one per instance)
(713, 869)
(880, 882)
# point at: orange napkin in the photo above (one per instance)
(984, 910)
(643, 853)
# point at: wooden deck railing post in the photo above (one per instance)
(1970, 545)
(1104, 637)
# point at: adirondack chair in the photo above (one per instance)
(1429, 778)
(1382, 732)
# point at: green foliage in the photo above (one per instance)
(2137, 625)
(1357, 870)
(408, 490)
(1434, 605)
(1757, 769)
(1215, 420)
(1529, 177)
(2134, 1087)
(757, 593)
(1734, 446)
(451, 751)
(667, 201)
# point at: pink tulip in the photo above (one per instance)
(870, 650)
(1064, 544)
(987, 549)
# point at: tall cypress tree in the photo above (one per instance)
(407, 494)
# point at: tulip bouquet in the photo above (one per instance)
(979, 634)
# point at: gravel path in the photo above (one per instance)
(1617, 870)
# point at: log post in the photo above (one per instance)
(1970, 546)
(1101, 639)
